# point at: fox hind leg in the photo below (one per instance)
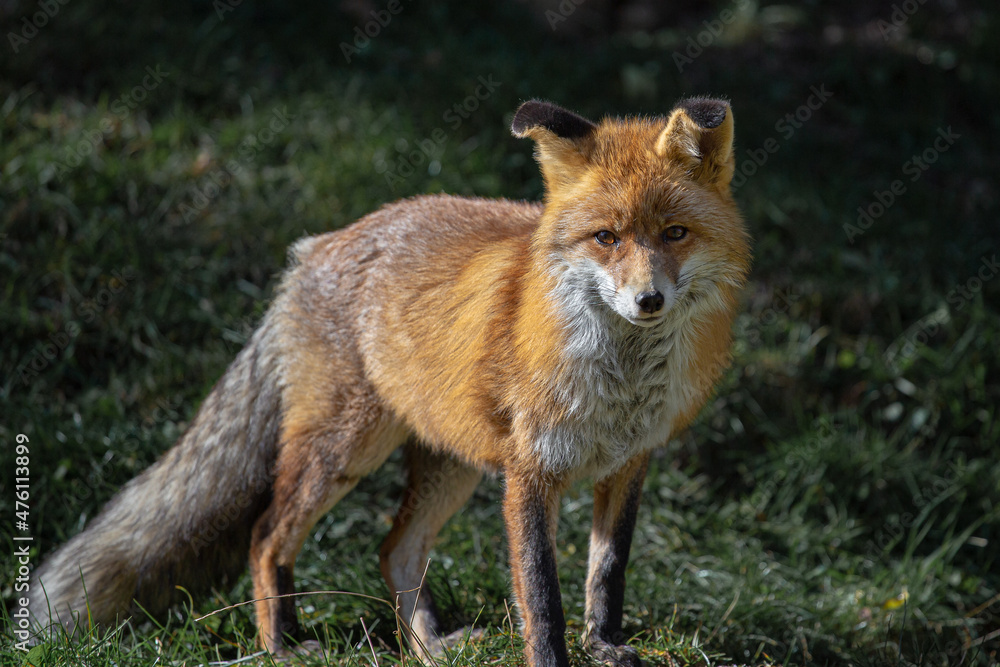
(278, 537)
(438, 486)
(317, 466)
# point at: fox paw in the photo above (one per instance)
(612, 654)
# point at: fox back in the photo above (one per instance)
(592, 327)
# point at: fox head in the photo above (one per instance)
(639, 217)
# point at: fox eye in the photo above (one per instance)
(604, 237)
(674, 233)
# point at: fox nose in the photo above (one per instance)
(649, 302)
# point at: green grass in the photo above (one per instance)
(848, 459)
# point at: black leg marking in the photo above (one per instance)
(287, 622)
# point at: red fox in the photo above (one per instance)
(545, 343)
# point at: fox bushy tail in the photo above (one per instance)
(186, 521)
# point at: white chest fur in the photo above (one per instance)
(622, 390)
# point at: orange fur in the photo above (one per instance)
(546, 343)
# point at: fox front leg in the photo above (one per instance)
(531, 506)
(616, 500)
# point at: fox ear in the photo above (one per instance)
(699, 137)
(562, 138)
